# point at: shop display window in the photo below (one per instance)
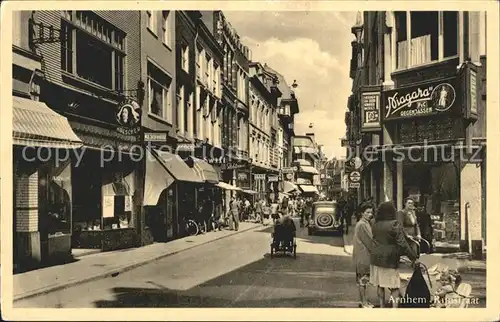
(58, 188)
(435, 188)
(117, 203)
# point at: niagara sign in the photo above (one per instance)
(422, 100)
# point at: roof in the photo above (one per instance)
(282, 85)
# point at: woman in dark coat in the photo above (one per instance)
(389, 244)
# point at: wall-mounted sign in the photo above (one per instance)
(128, 116)
(470, 85)
(423, 100)
(155, 136)
(273, 178)
(355, 176)
(232, 166)
(259, 176)
(370, 111)
(473, 92)
(354, 185)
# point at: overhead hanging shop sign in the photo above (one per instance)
(370, 109)
(428, 99)
(128, 116)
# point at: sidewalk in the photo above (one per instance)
(106, 264)
(458, 261)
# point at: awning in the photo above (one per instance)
(303, 162)
(205, 171)
(308, 188)
(162, 170)
(309, 169)
(250, 192)
(227, 186)
(35, 124)
(304, 149)
(176, 166)
(301, 181)
(289, 187)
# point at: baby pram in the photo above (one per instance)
(423, 284)
(283, 240)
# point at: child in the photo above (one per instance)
(449, 281)
(362, 247)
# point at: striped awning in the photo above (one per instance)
(35, 124)
(205, 171)
(308, 188)
(227, 186)
(309, 169)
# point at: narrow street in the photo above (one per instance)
(233, 272)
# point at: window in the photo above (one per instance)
(206, 69)
(166, 29)
(152, 21)
(419, 34)
(180, 108)
(185, 58)
(159, 92)
(93, 49)
(199, 62)
(186, 111)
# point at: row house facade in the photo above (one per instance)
(441, 58)
(153, 121)
(75, 70)
(306, 156)
(235, 168)
(264, 149)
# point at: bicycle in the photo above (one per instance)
(191, 227)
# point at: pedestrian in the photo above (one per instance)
(235, 219)
(208, 210)
(425, 224)
(389, 243)
(308, 211)
(362, 248)
(408, 220)
(259, 210)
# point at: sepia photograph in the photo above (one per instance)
(273, 157)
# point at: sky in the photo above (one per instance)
(313, 48)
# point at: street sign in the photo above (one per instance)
(354, 185)
(355, 176)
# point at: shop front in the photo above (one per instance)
(169, 194)
(42, 183)
(433, 160)
(106, 207)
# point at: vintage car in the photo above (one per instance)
(325, 218)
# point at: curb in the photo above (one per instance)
(116, 271)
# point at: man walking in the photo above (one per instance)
(235, 205)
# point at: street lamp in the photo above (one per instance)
(357, 29)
